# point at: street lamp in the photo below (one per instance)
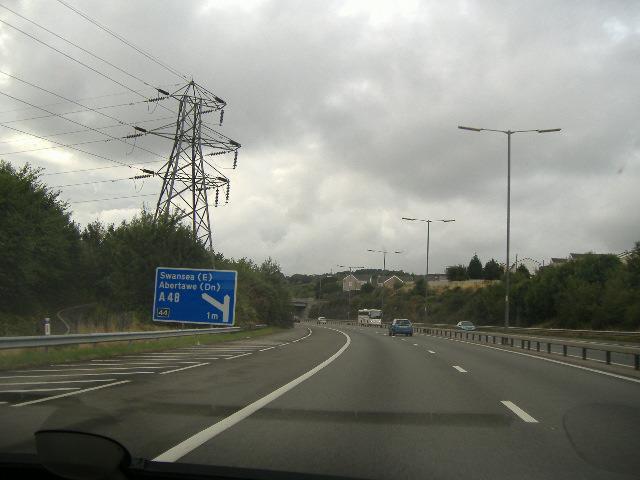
(384, 268)
(426, 276)
(349, 290)
(508, 133)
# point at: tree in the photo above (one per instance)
(134, 249)
(456, 273)
(39, 244)
(523, 270)
(418, 287)
(475, 268)
(367, 288)
(492, 270)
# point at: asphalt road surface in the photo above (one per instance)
(342, 401)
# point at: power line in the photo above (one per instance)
(73, 148)
(77, 46)
(69, 57)
(112, 180)
(91, 109)
(89, 129)
(132, 165)
(114, 198)
(66, 145)
(105, 107)
(115, 94)
(124, 40)
(73, 121)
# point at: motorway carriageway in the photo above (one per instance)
(342, 401)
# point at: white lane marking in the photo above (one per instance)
(193, 442)
(2, 403)
(183, 368)
(87, 369)
(236, 356)
(40, 390)
(162, 364)
(68, 394)
(431, 351)
(282, 344)
(265, 349)
(209, 358)
(76, 374)
(460, 369)
(518, 411)
(415, 344)
(58, 381)
(580, 367)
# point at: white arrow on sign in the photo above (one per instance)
(223, 307)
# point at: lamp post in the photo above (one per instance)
(508, 133)
(426, 276)
(349, 289)
(384, 268)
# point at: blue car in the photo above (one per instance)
(401, 326)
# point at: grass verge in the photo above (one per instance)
(35, 357)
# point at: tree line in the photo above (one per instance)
(593, 292)
(47, 262)
(475, 271)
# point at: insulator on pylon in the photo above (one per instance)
(227, 197)
(221, 116)
(217, 193)
(235, 160)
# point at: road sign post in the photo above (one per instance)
(47, 326)
(189, 295)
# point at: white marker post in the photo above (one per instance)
(47, 326)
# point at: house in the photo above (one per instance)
(354, 281)
(390, 281)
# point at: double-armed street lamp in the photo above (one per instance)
(350, 267)
(508, 133)
(426, 276)
(384, 268)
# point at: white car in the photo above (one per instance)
(465, 325)
(322, 320)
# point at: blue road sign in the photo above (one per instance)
(195, 296)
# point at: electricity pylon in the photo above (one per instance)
(186, 180)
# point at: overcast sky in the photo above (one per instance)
(347, 113)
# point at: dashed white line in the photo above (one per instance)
(265, 349)
(580, 367)
(183, 368)
(460, 369)
(68, 394)
(415, 344)
(236, 356)
(518, 411)
(431, 351)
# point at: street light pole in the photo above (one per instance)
(426, 276)
(507, 265)
(349, 290)
(384, 268)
